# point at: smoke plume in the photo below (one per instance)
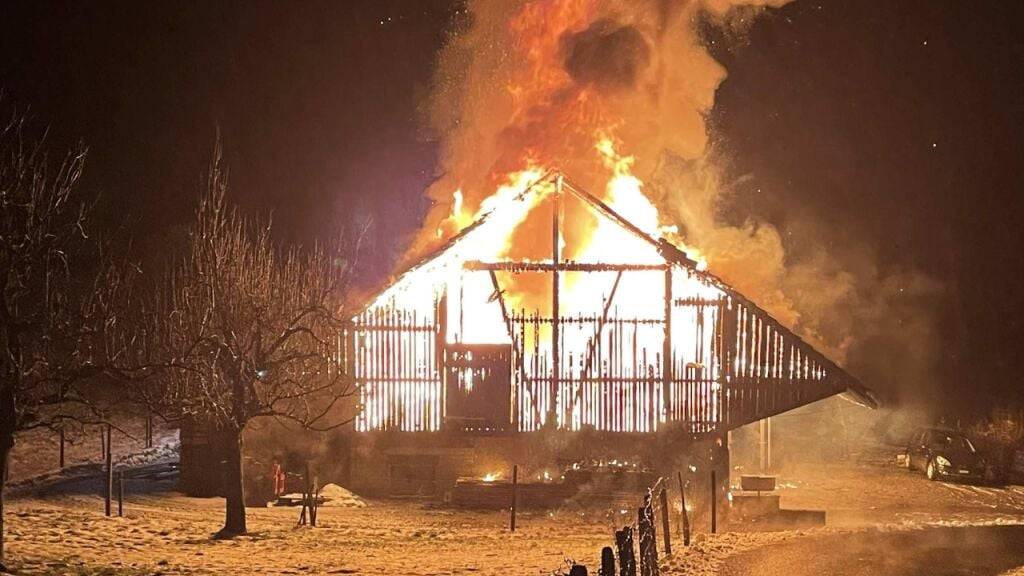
(538, 80)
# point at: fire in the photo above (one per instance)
(491, 477)
(585, 304)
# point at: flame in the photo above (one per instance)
(491, 477)
(556, 122)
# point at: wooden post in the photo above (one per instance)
(627, 559)
(685, 517)
(103, 443)
(149, 430)
(648, 545)
(714, 503)
(120, 493)
(666, 349)
(607, 562)
(314, 501)
(305, 499)
(515, 496)
(556, 257)
(665, 534)
(109, 462)
(61, 447)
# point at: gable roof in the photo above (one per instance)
(843, 381)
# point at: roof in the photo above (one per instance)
(855, 390)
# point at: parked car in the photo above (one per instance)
(944, 454)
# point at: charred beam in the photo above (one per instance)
(556, 257)
(564, 266)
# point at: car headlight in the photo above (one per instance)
(942, 461)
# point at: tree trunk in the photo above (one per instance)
(6, 443)
(234, 493)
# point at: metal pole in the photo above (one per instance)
(761, 446)
(515, 496)
(109, 458)
(714, 503)
(120, 493)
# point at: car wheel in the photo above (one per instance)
(931, 472)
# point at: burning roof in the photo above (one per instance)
(623, 331)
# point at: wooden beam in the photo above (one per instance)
(564, 266)
(556, 257)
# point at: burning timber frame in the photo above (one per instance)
(717, 362)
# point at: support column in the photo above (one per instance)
(556, 257)
(765, 433)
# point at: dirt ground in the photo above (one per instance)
(58, 527)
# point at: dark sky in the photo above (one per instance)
(896, 125)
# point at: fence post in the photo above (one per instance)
(305, 499)
(684, 515)
(120, 493)
(607, 562)
(62, 447)
(149, 429)
(109, 462)
(666, 535)
(648, 547)
(515, 496)
(627, 560)
(314, 501)
(714, 503)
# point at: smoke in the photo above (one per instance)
(879, 323)
(538, 80)
(606, 55)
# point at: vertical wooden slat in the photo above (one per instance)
(666, 348)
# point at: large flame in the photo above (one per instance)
(596, 90)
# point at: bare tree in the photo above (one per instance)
(244, 329)
(59, 300)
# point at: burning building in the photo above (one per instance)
(600, 323)
(540, 306)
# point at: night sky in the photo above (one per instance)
(890, 125)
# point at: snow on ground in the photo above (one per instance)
(171, 535)
(867, 493)
(65, 532)
(35, 454)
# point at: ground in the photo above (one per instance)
(171, 535)
(57, 526)
(936, 551)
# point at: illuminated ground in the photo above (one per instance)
(170, 535)
(62, 530)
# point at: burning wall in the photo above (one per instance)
(632, 343)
